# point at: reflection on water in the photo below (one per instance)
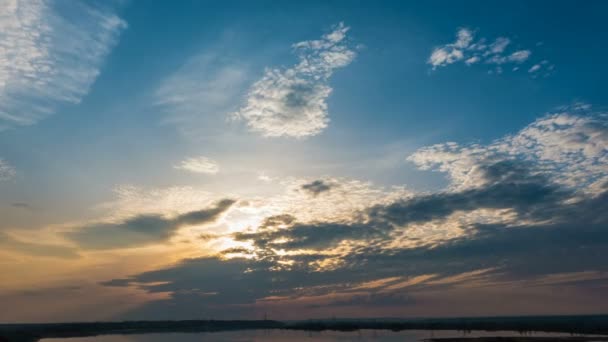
(295, 336)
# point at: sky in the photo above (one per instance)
(295, 160)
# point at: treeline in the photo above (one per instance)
(597, 324)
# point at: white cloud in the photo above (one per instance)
(292, 102)
(48, 58)
(520, 56)
(570, 147)
(451, 53)
(472, 60)
(465, 37)
(262, 176)
(199, 165)
(534, 68)
(470, 51)
(543, 68)
(499, 45)
(6, 170)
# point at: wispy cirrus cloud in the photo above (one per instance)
(291, 102)
(199, 165)
(48, 58)
(466, 49)
(200, 92)
(6, 170)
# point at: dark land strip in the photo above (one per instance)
(575, 325)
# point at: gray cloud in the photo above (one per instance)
(142, 229)
(316, 187)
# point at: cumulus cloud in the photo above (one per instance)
(199, 165)
(6, 170)
(453, 52)
(291, 102)
(142, 229)
(569, 147)
(48, 58)
(470, 51)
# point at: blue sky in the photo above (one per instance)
(112, 112)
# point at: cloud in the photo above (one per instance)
(470, 51)
(472, 60)
(527, 177)
(509, 186)
(291, 102)
(6, 170)
(520, 56)
(142, 229)
(199, 165)
(344, 198)
(543, 68)
(342, 202)
(519, 217)
(498, 256)
(568, 147)
(49, 58)
(534, 68)
(499, 45)
(132, 201)
(316, 187)
(454, 52)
